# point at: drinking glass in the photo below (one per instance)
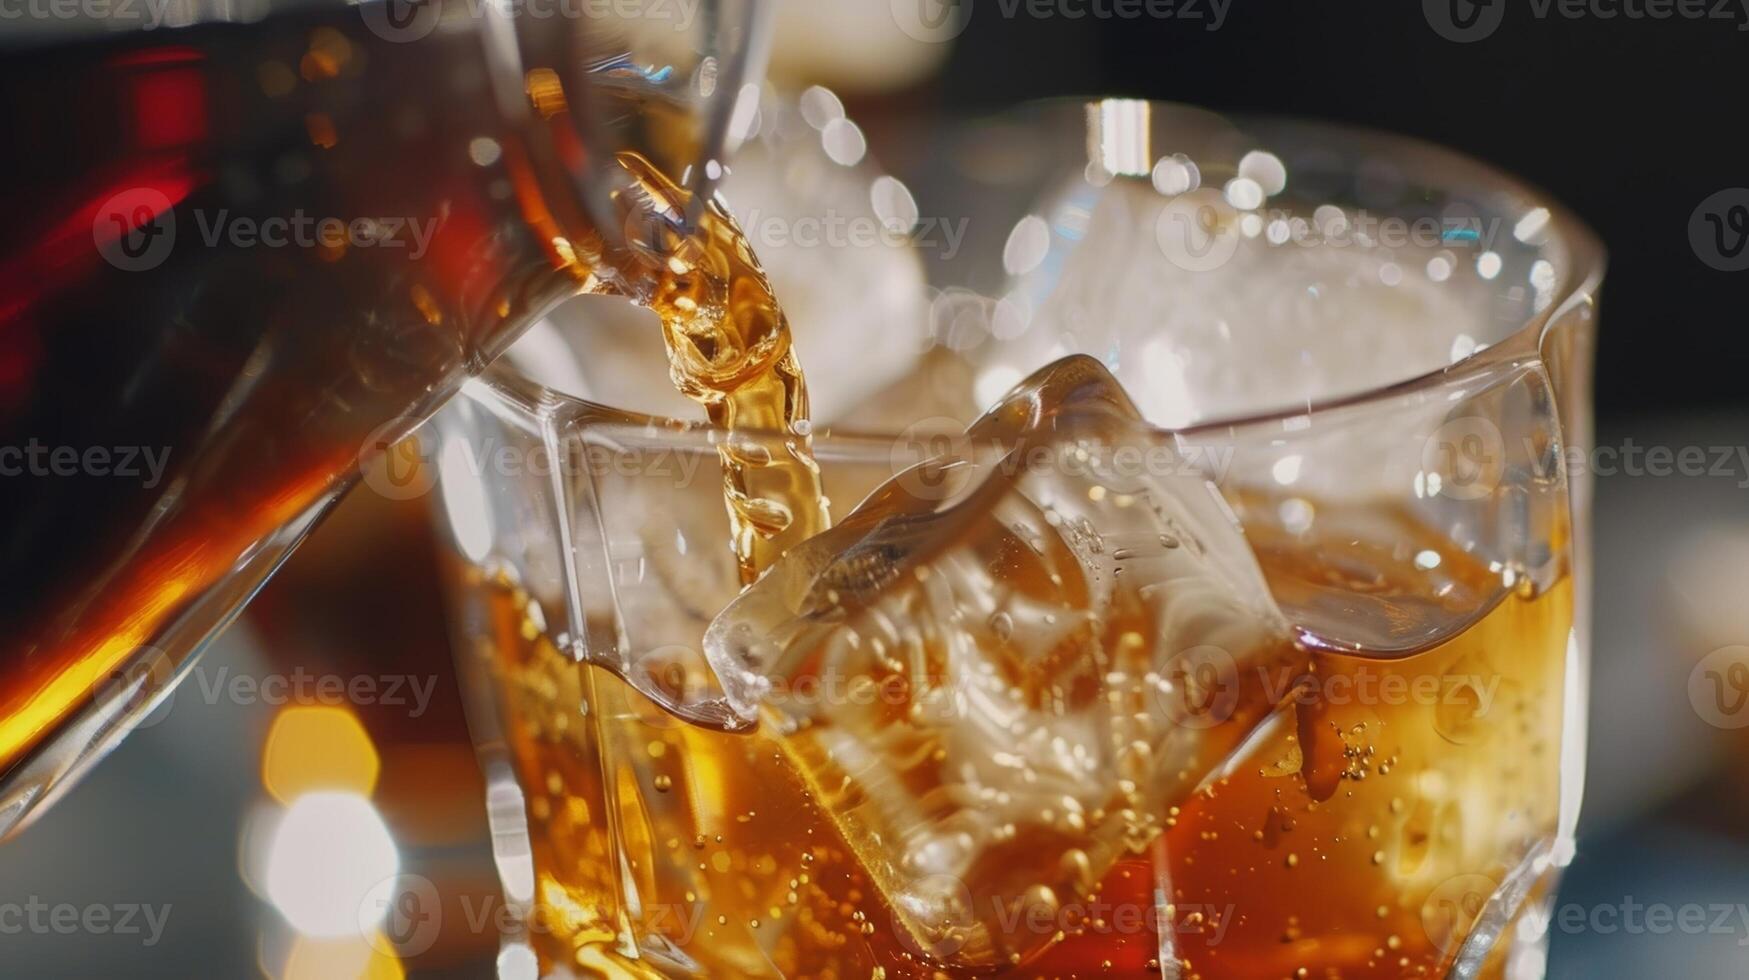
(1376, 353)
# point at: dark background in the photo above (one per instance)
(1631, 123)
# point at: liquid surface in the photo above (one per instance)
(1020, 714)
(1354, 835)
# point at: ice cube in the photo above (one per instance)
(1004, 666)
(1212, 311)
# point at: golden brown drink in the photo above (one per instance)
(729, 350)
(1025, 713)
(1337, 844)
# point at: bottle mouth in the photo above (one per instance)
(584, 91)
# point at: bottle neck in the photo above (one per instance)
(252, 254)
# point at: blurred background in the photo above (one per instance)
(219, 809)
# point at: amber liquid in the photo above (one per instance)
(256, 373)
(1354, 837)
(259, 373)
(729, 349)
(1366, 807)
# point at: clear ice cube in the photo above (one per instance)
(1215, 312)
(1001, 670)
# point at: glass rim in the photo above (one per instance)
(1576, 286)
